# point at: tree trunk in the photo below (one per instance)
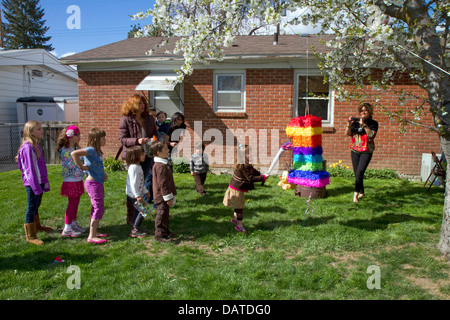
(444, 244)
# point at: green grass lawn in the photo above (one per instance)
(327, 256)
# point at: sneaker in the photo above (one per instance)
(136, 233)
(71, 233)
(241, 229)
(78, 228)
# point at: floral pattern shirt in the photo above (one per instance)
(70, 170)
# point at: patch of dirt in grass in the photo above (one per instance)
(349, 259)
(295, 254)
(214, 249)
(151, 250)
(154, 249)
(430, 286)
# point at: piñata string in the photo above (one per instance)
(307, 209)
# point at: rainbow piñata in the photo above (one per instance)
(306, 133)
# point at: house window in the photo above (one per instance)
(168, 101)
(229, 91)
(314, 98)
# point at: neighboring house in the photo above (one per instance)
(32, 73)
(251, 95)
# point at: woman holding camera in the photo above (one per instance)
(363, 130)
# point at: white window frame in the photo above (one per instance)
(240, 73)
(154, 98)
(325, 123)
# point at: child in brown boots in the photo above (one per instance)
(31, 161)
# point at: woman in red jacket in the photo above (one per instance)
(137, 127)
(363, 130)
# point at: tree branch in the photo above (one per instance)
(392, 10)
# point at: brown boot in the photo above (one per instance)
(30, 233)
(38, 225)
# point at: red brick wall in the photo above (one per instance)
(269, 105)
(101, 95)
(269, 95)
(393, 149)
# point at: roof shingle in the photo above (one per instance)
(136, 48)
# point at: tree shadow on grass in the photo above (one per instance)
(217, 221)
(339, 191)
(303, 223)
(42, 260)
(383, 222)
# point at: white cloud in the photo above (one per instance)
(67, 54)
(63, 55)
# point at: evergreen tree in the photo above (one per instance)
(24, 27)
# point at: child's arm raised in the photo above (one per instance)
(253, 175)
(76, 156)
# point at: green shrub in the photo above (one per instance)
(381, 174)
(181, 165)
(341, 170)
(113, 165)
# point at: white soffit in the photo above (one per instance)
(159, 82)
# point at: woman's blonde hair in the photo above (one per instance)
(131, 105)
(368, 106)
(28, 137)
(94, 139)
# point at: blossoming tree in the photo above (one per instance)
(397, 36)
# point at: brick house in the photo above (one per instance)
(252, 94)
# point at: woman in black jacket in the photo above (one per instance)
(362, 130)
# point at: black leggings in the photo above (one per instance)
(239, 214)
(360, 163)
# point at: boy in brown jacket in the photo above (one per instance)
(164, 191)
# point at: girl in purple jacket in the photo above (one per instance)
(31, 162)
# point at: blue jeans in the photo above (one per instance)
(33, 203)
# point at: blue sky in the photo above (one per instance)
(101, 22)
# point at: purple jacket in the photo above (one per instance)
(130, 131)
(32, 168)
